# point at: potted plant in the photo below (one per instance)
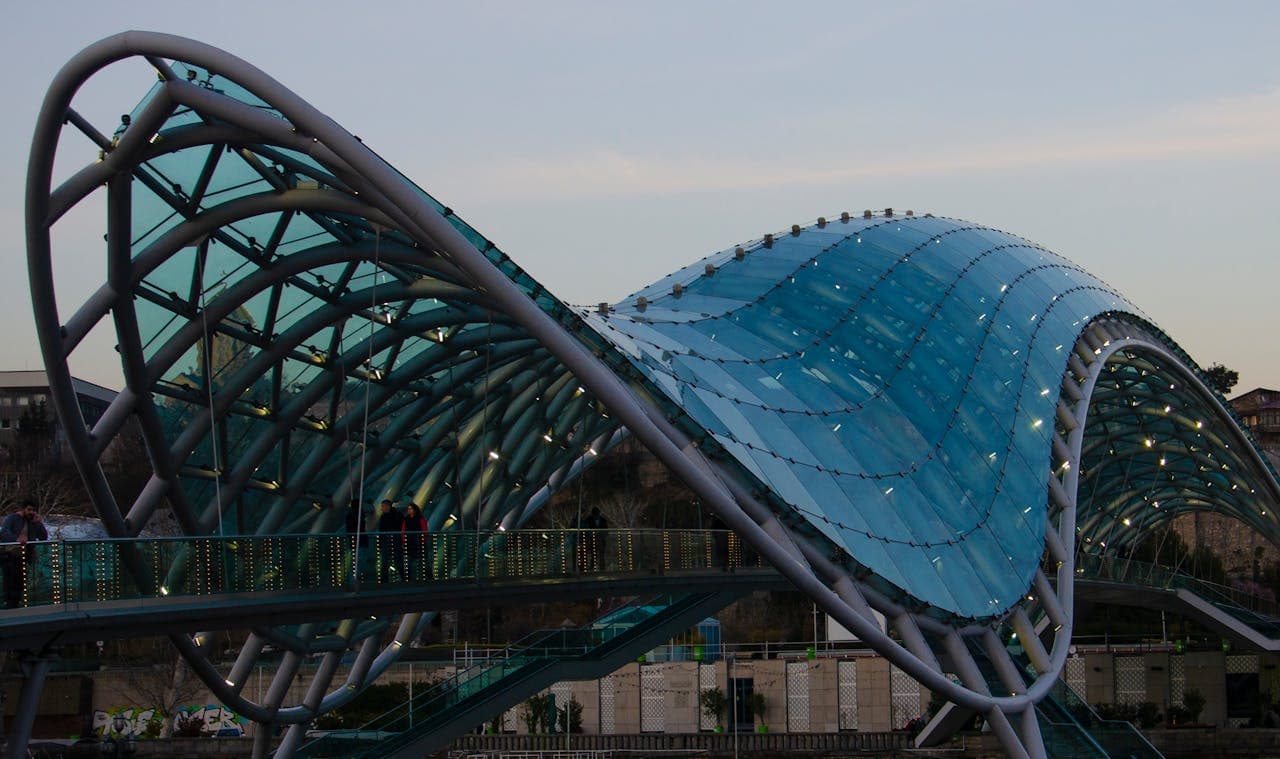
(756, 707)
(714, 705)
(1193, 700)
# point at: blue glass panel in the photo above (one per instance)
(907, 361)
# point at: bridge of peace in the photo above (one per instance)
(940, 433)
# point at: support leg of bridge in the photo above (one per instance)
(1009, 739)
(34, 669)
(262, 741)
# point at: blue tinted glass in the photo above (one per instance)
(894, 382)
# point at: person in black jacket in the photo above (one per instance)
(594, 524)
(390, 547)
(416, 543)
(17, 529)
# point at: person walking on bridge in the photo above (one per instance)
(390, 549)
(17, 529)
(416, 535)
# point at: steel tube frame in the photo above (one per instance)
(386, 195)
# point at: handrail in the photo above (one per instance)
(1159, 576)
(76, 571)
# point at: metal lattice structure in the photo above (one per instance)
(910, 415)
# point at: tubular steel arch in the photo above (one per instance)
(906, 415)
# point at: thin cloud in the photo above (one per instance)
(1220, 129)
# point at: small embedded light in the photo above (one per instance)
(230, 683)
(397, 644)
(592, 451)
(1126, 521)
(1037, 423)
(837, 427)
(493, 455)
(547, 438)
(889, 491)
(1045, 391)
(164, 590)
(1148, 442)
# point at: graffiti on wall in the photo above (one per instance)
(139, 720)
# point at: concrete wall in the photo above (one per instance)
(1100, 678)
(1205, 671)
(874, 696)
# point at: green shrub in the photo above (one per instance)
(714, 704)
(569, 717)
(536, 713)
(1194, 701)
(1148, 715)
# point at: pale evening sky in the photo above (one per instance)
(604, 145)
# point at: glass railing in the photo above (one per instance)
(1067, 740)
(71, 572)
(1116, 737)
(1261, 614)
(534, 651)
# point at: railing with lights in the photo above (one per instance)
(71, 572)
(1128, 571)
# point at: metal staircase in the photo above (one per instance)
(437, 716)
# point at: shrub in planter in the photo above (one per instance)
(569, 717)
(1194, 701)
(1148, 715)
(714, 705)
(756, 708)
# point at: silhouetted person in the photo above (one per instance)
(390, 550)
(719, 542)
(416, 536)
(595, 524)
(16, 556)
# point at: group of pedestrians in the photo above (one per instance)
(404, 544)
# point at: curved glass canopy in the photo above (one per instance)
(894, 381)
(303, 353)
(905, 414)
(891, 379)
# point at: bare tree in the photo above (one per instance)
(624, 510)
(165, 682)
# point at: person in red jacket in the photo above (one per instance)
(416, 536)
